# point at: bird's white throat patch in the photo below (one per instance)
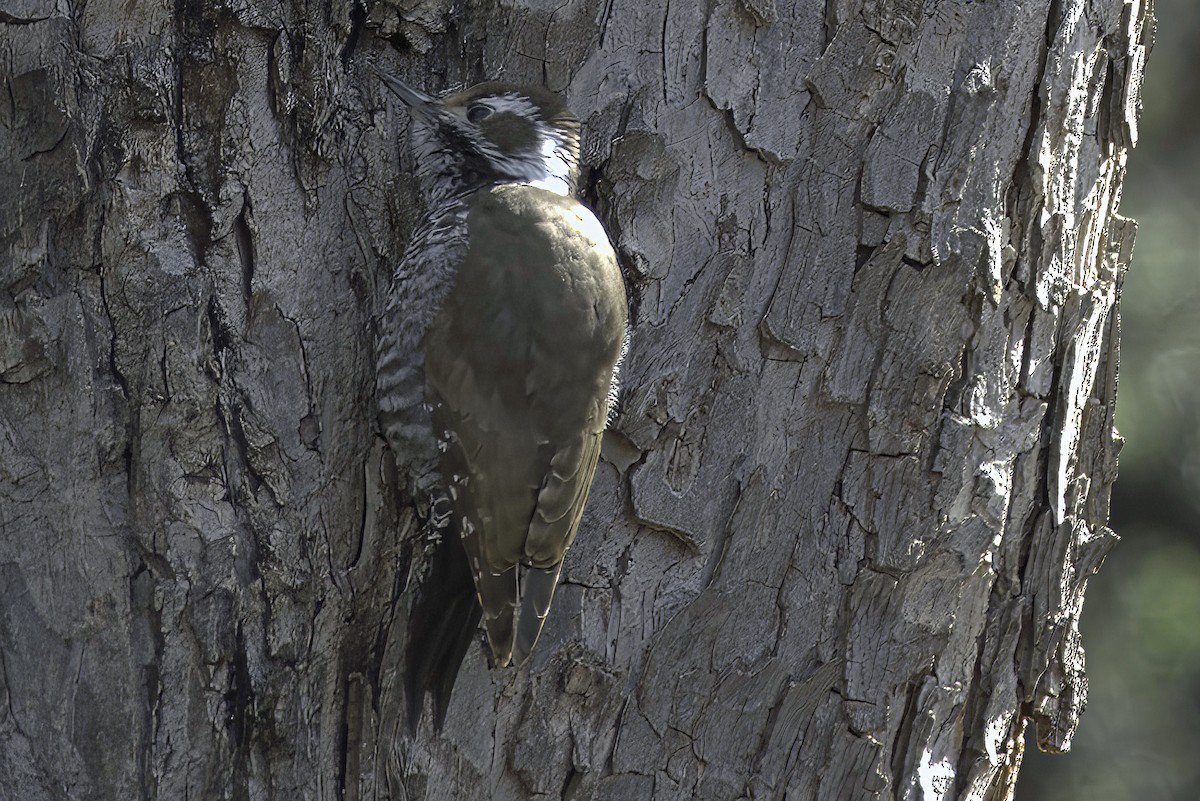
(556, 174)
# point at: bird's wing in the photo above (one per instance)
(555, 520)
(486, 498)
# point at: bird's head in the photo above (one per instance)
(492, 132)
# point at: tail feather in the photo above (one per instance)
(441, 625)
(537, 590)
(500, 590)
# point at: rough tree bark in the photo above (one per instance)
(839, 542)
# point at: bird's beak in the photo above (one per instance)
(416, 100)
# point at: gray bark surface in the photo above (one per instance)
(838, 543)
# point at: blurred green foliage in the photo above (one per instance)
(1140, 736)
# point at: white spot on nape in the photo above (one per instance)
(556, 175)
(549, 174)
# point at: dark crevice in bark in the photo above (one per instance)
(273, 76)
(245, 246)
(13, 19)
(665, 46)
(904, 732)
(1019, 182)
(230, 417)
(383, 629)
(605, 15)
(239, 701)
(1029, 536)
(1054, 20)
(863, 255)
(191, 209)
(975, 708)
(145, 615)
(609, 764)
(830, 24)
(358, 19)
(712, 568)
(597, 192)
(572, 784)
(113, 363)
(1020, 190)
(223, 338)
(635, 285)
(128, 462)
(952, 399)
(951, 407)
(6, 682)
(364, 503)
(352, 741)
(1028, 355)
(164, 374)
(12, 100)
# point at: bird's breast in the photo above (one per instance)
(536, 312)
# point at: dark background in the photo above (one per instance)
(1140, 736)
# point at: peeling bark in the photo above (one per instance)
(840, 537)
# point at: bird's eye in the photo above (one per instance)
(477, 114)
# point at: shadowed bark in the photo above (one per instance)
(838, 542)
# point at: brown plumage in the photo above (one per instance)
(518, 366)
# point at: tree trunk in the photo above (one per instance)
(838, 543)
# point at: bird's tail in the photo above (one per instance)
(441, 625)
(537, 590)
(500, 590)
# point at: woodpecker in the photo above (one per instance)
(502, 334)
